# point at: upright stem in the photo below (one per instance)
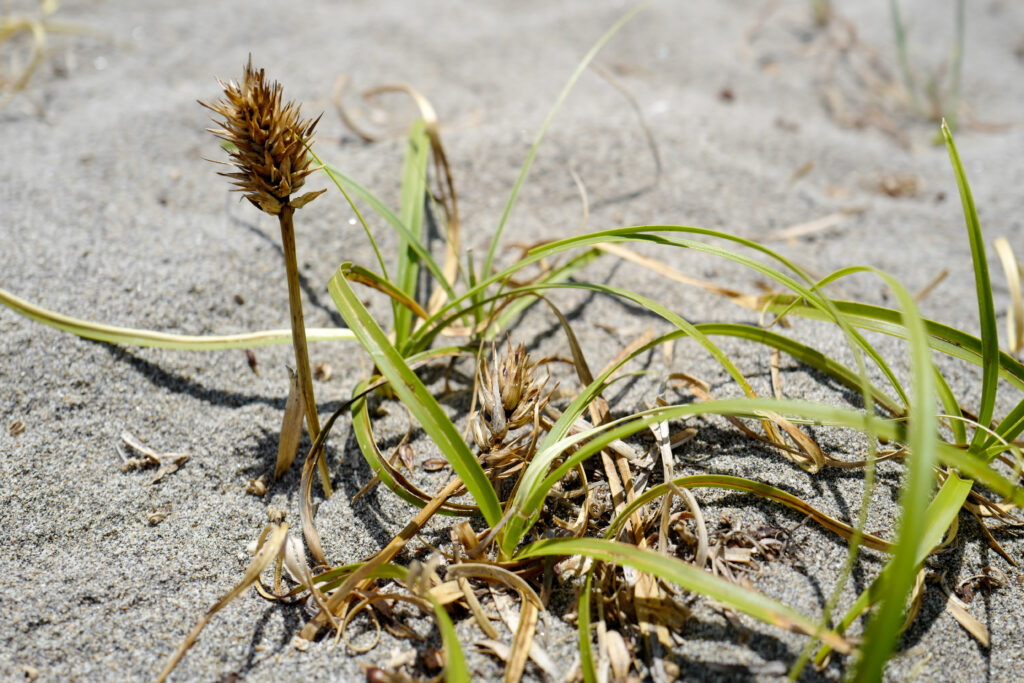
(299, 341)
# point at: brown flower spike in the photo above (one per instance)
(271, 163)
(270, 138)
(511, 396)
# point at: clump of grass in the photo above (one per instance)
(635, 545)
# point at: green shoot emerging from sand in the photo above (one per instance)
(558, 484)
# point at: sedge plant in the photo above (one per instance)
(268, 138)
(524, 461)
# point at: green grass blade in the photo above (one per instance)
(688, 577)
(413, 204)
(942, 510)
(583, 628)
(730, 483)
(983, 285)
(415, 396)
(943, 338)
(370, 279)
(559, 274)
(803, 353)
(952, 408)
(355, 209)
(559, 101)
(808, 289)
(349, 184)
(1011, 426)
(883, 631)
(135, 337)
(900, 34)
(455, 669)
(541, 475)
(363, 433)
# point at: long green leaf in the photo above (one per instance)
(882, 632)
(952, 408)
(1013, 424)
(136, 337)
(803, 353)
(413, 202)
(530, 497)
(346, 182)
(415, 396)
(688, 577)
(559, 274)
(983, 285)
(363, 432)
(583, 628)
(943, 338)
(559, 101)
(730, 483)
(943, 509)
(455, 669)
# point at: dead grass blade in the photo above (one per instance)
(446, 195)
(497, 575)
(618, 446)
(959, 611)
(339, 596)
(523, 642)
(932, 284)
(482, 620)
(811, 227)
(291, 427)
(652, 144)
(264, 556)
(808, 456)
(619, 658)
(355, 273)
(339, 90)
(1015, 311)
(503, 650)
(166, 463)
(665, 447)
(748, 301)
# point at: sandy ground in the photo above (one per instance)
(110, 213)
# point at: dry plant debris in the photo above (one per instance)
(37, 27)
(166, 463)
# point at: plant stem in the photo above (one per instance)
(299, 341)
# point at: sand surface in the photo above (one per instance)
(762, 122)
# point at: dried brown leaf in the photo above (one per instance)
(291, 427)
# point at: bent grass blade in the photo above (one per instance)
(415, 396)
(983, 285)
(689, 577)
(128, 336)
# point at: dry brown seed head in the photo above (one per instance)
(270, 140)
(510, 393)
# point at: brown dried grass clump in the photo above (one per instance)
(511, 396)
(270, 140)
